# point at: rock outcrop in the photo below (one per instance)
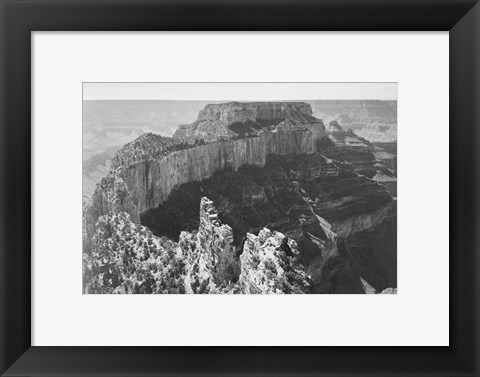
(333, 127)
(110, 195)
(268, 265)
(369, 290)
(127, 258)
(389, 291)
(210, 252)
(232, 120)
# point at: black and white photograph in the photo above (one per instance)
(231, 195)
(181, 181)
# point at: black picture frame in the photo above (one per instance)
(20, 17)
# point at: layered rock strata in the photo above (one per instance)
(368, 159)
(152, 166)
(246, 119)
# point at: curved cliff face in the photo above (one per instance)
(152, 166)
(151, 182)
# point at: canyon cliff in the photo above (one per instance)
(152, 166)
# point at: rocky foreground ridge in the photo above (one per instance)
(127, 258)
(323, 192)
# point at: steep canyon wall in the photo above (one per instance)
(150, 182)
(147, 170)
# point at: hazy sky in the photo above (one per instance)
(239, 91)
